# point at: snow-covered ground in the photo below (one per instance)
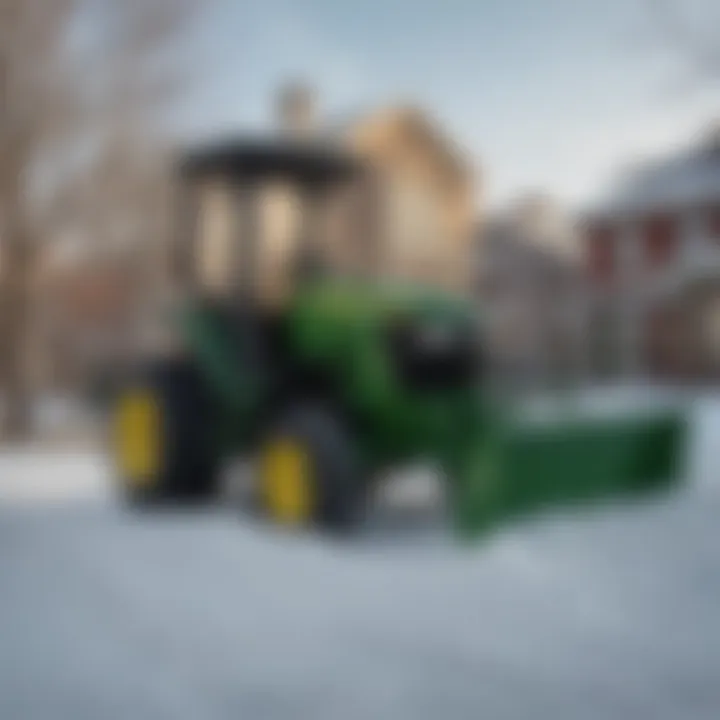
(206, 616)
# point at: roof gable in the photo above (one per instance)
(411, 125)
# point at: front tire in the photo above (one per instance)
(162, 444)
(309, 472)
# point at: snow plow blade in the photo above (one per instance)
(519, 467)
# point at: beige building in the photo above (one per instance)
(408, 215)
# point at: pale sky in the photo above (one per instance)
(542, 94)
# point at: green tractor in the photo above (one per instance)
(344, 379)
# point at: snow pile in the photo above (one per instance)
(601, 402)
(36, 475)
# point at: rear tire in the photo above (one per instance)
(332, 477)
(168, 456)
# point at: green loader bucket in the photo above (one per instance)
(519, 467)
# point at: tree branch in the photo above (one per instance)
(701, 52)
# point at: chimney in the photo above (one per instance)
(296, 110)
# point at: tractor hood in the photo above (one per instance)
(354, 300)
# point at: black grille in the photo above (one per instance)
(429, 357)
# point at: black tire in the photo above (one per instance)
(335, 470)
(187, 465)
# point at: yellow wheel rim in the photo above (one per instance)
(287, 482)
(138, 437)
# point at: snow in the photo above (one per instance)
(207, 615)
(601, 402)
(686, 177)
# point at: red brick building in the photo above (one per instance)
(652, 255)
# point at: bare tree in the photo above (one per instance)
(85, 86)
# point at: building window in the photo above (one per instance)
(713, 222)
(712, 328)
(601, 249)
(659, 240)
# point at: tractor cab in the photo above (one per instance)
(258, 217)
(273, 244)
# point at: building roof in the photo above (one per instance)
(507, 244)
(687, 177)
(339, 127)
